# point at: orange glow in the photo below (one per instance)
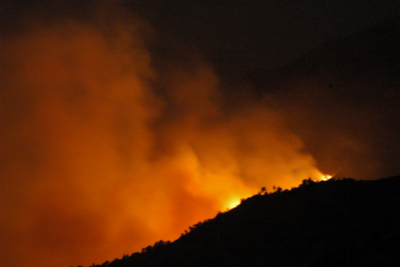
(233, 203)
(97, 162)
(326, 177)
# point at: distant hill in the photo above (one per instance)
(333, 223)
(343, 101)
(374, 51)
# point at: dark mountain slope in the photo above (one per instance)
(333, 223)
(343, 101)
(374, 50)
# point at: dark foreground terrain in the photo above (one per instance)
(334, 223)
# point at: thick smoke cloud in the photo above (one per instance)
(103, 153)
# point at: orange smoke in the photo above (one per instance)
(101, 155)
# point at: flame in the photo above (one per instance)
(233, 203)
(326, 177)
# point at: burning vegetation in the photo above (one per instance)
(328, 223)
(109, 142)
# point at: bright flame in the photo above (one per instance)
(326, 177)
(233, 204)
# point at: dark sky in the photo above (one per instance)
(240, 36)
(235, 36)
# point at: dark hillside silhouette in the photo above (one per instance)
(343, 97)
(333, 223)
(374, 51)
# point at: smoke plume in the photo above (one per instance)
(106, 147)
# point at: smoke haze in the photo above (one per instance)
(107, 147)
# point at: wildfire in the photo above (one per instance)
(326, 177)
(233, 204)
(107, 147)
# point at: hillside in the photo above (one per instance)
(343, 101)
(374, 51)
(334, 223)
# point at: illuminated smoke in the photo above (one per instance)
(103, 155)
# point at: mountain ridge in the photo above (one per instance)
(377, 47)
(334, 223)
(343, 101)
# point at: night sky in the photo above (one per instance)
(239, 36)
(125, 122)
